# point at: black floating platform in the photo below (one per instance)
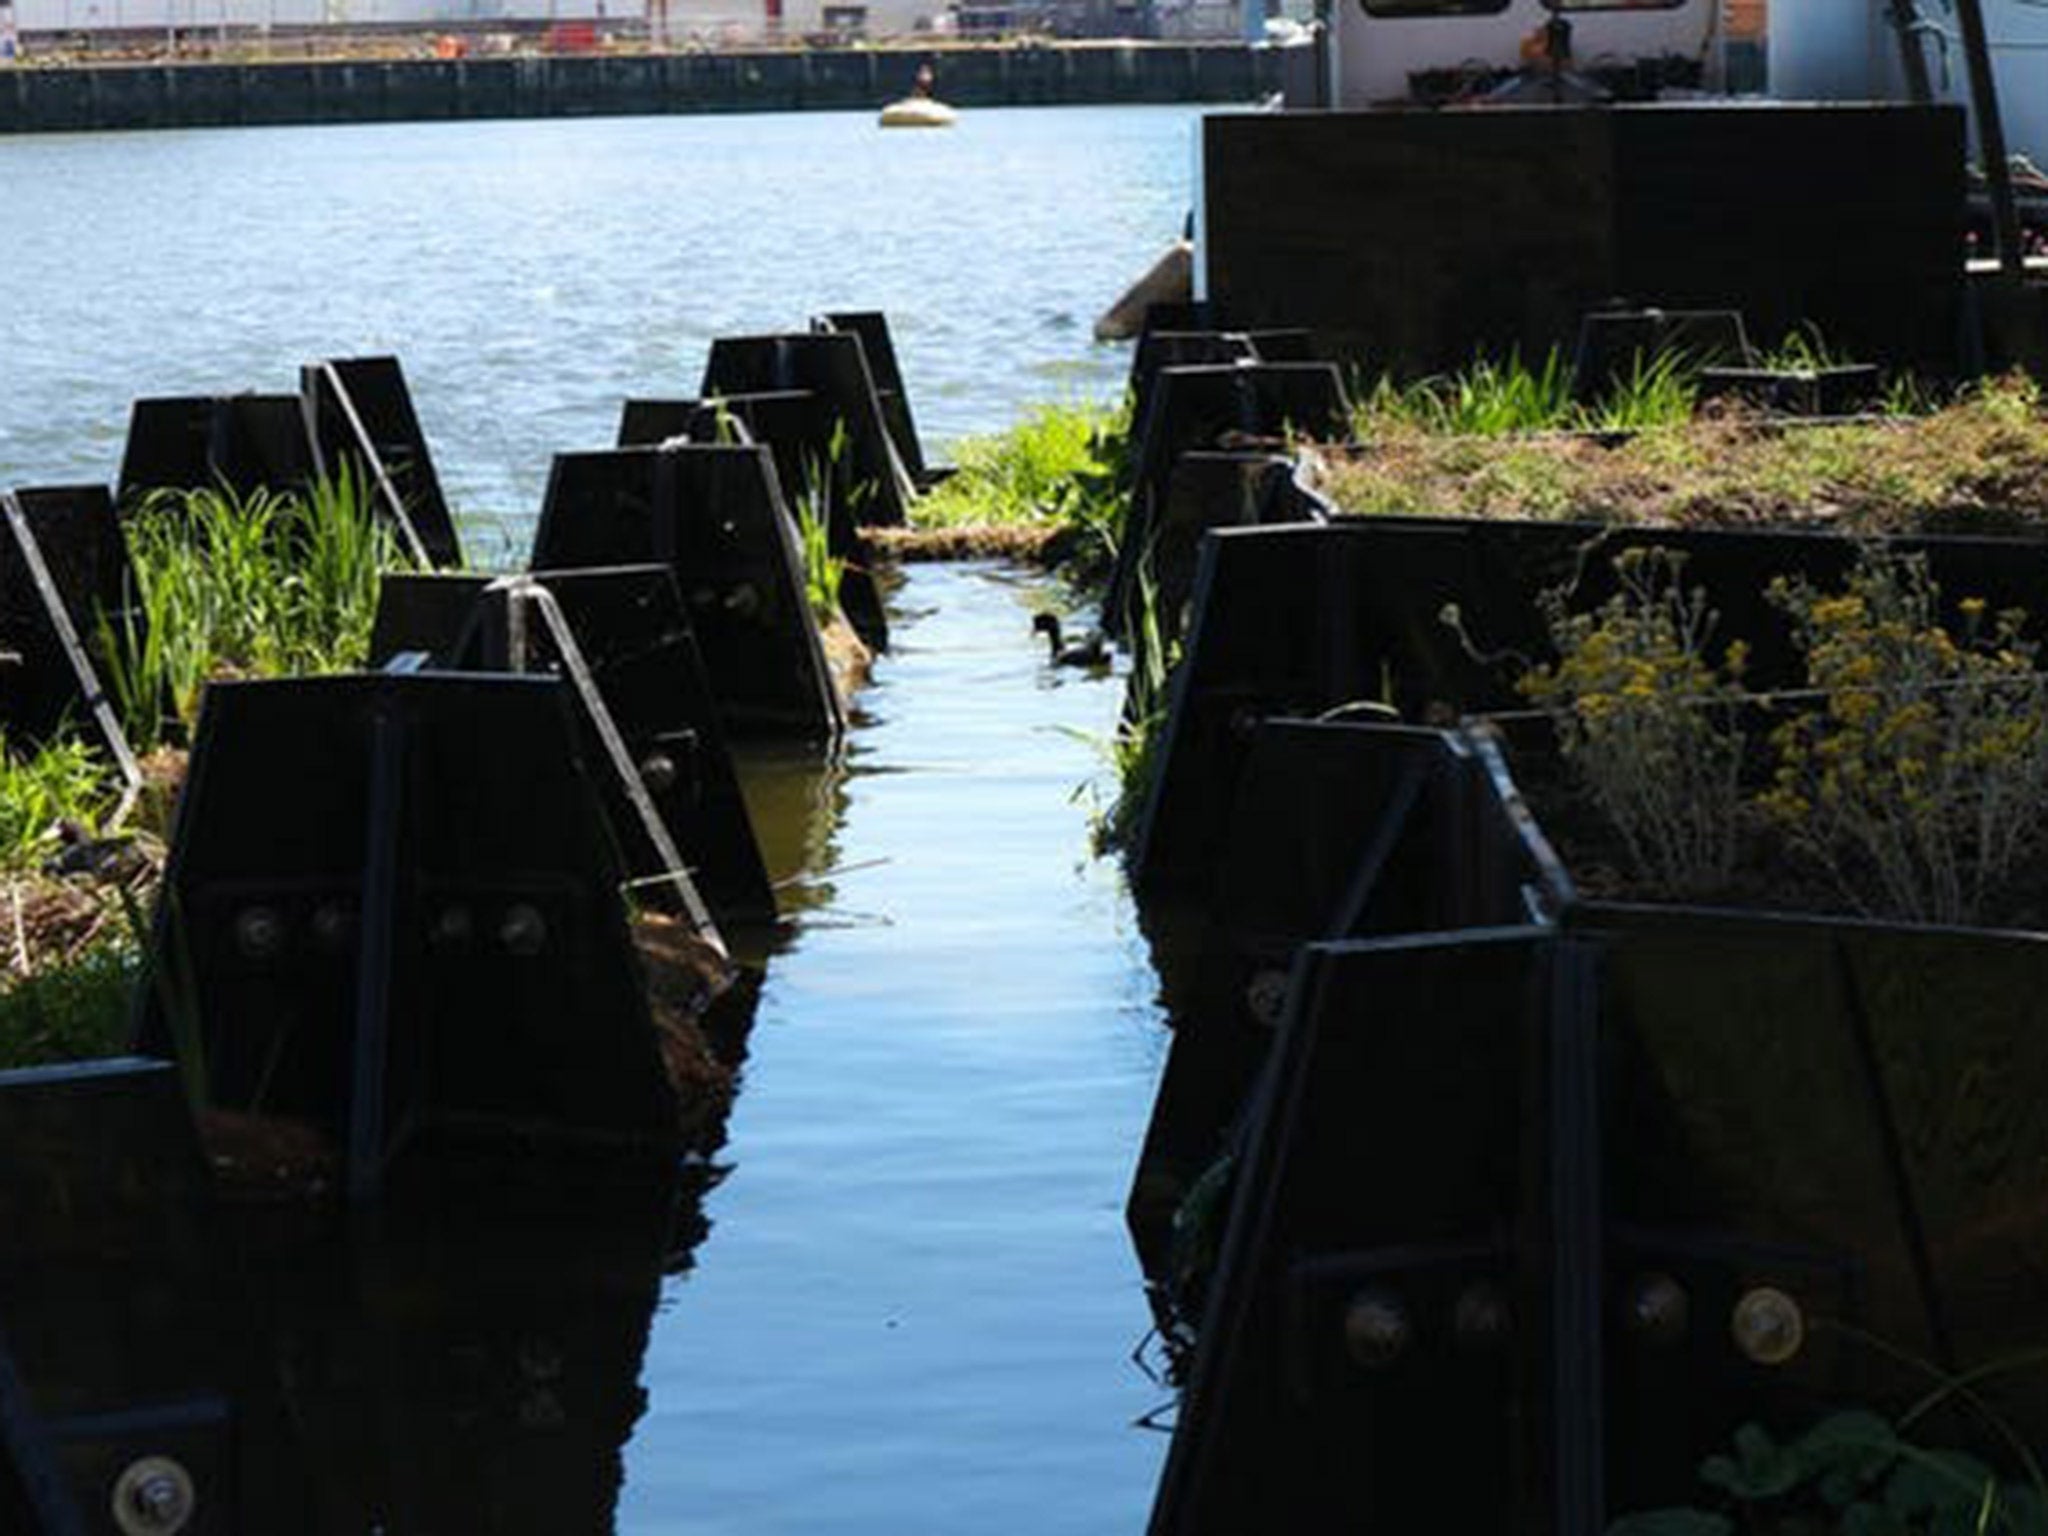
(714, 516)
(1378, 1198)
(1507, 1196)
(1339, 830)
(1235, 405)
(239, 443)
(65, 584)
(834, 366)
(1616, 346)
(362, 414)
(1299, 620)
(392, 907)
(631, 632)
(1210, 489)
(1159, 349)
(872, 327)
(797, 426)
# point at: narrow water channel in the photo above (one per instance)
(915, 1308)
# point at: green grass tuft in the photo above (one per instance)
(1031, 473)
(243, 586)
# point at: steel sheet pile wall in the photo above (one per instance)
(76, 100)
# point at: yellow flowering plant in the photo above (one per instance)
(1918, 778)
(1649, 719)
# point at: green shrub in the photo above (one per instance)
(72, 1011)
(64, 780)
(1055, 465)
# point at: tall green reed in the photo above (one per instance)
(256, 585)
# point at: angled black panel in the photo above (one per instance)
(1224, 406)
(423, 614)
(714, 516)
(1206, 489)
(360, 407)
(1379, 1197)
(1339, 831)
(872, 327)
(1614, 344)
(797, 426)
(1158, 349)
(245, 443)
(392, 906)
(630, 631)
(832, 365)
(1838, 1110)
(78, 539)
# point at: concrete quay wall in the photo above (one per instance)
(92, 99)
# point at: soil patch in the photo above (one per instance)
(1038, 543)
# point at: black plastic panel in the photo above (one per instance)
(714, 516)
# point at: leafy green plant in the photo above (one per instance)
(71, 1011)
(1510, 398)
(1661, 390)
(1647, 716)
(1491, 399)
(1057, 464)
(62, 780)
(1133, 750)
(823, 570)
(1855, 1473)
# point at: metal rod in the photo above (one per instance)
(88, 680)
(2005, 214)
(378, 924)
(522, 590)
(415, 546)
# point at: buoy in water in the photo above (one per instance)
(917, 112)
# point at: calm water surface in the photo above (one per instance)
(915, 1303)
(533, 274)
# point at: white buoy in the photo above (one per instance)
(918, 112)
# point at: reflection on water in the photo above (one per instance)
(469, 1358)
(916, 1311)
(797, 798)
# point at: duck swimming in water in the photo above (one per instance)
(1090, 650)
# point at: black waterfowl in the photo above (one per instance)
(1090, 650)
